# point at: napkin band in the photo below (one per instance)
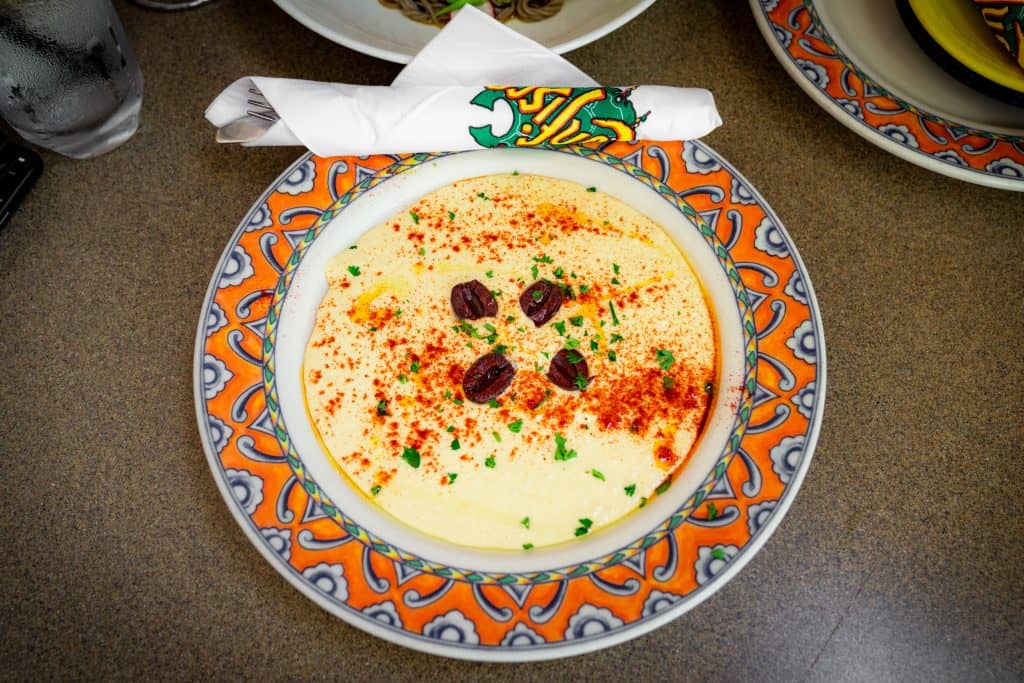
(334, 119)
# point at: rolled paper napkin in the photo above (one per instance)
(337, 119)
(439, 102)
(1006, 19)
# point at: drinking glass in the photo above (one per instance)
(68, 79)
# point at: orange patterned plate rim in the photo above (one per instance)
(391, 595)
(801, 42)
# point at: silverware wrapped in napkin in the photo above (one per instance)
(443, 101)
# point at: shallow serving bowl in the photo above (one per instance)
(369, 27)
(361, 564)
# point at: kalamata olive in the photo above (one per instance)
(472, 300)
(568, 370)
(541, 301)
(487, 378)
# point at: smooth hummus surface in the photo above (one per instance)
(539, 464)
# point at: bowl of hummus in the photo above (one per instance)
(509, 361)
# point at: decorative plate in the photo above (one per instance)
(860, 63)
(381, 579)
(367, 26)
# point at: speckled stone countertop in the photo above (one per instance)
(901, 558)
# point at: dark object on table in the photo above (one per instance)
(951, 65)
(19, 169)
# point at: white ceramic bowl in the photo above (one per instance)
(369, 27)
(298, 314)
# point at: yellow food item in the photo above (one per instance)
(384, 367)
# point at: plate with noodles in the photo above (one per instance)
(396, 30)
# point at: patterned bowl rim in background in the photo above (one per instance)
(808, 53)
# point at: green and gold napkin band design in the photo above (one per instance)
(545, 116)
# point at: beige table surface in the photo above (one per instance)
(901, 558)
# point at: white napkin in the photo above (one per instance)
(428, 106)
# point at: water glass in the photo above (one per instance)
(68, 79)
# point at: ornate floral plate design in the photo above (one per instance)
(802, 43)
(375, 587)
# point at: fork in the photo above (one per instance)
(254, 124)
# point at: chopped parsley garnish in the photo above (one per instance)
(403, 379)
(643, 501)
(423, 251)
(573, 357)
(615, 317)
(353, 247)
(534, 271)
(547, 395)
(510, 318)
(452, 476)
(497, 436)
(664, 486)
(543, 258)
(538, 367)
(537, 295)
(561, 453)
(559, 272)
(615, 281)
(451, 215)
(597, 475)
(515, 172)
(495, 293)
(494, 403)
(712, 511)
(576, 321)
(489, 462)
(665, 359)
(525, 521)
(411, 456)
(572, 343)
(612, 356)
(591, 189)
(593, 345)
(566, 290)
(616, 338)
(375, 490)
(582, 382)
(615, 267)
(450, 429)
(718, 554)
(415, 217)
(559, 327)
(584, 526)
(354, 270)
(667, 382)
(630, 490)
(515, 427)
(382, 407)
(458, 401)
(481, 195)
(414, 366)
(489, 273)
(584, 289)
(527, 546)
(447, 395)
(398, 312)
(456, 445)
(500, 348)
